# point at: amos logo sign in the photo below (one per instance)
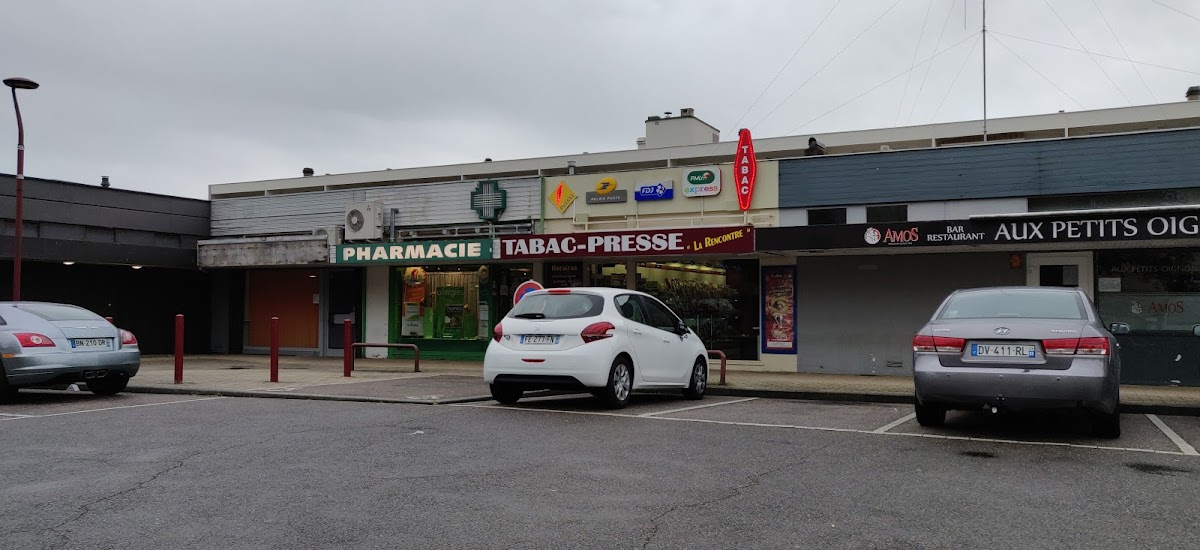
(704, 181)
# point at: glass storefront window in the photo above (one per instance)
(1153, 291)
(718, 299)
(460, 302)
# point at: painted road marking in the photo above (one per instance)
(14, 415)
(897, 422)
(841, 430)
(692, 408)
(123, 407)
(1174, 437)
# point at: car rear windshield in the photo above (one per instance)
(53, 312)
(1015, 304)
(558, 306)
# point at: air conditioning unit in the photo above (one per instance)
(364, 221)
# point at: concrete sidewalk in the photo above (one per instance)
(380, 380)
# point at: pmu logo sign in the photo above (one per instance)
(703, 181)
(745, 168)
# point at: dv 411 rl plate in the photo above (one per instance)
(1004, 350)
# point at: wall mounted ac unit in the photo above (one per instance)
(364, 221)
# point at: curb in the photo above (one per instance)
(307, 396)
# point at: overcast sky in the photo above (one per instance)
(170, 97)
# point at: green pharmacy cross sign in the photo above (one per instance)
(489, 200)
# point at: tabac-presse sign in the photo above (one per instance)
(745, 169)
(414, 252)
(660, 242)
(703, 181)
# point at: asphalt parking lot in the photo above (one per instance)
(153, 471)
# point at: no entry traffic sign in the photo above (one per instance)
(525, 288)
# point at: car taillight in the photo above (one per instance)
(597, 331)
(943, 344)
(1060, 346)
(31, 340)
(497, 333)
(127, 338)
(1092, 346)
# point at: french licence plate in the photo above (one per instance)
(1004, 350)
(91, 343)
(539, 339)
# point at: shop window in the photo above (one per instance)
(826, 216)
(717, 299)
(1153, 291)
(886, 214)
(452, 302)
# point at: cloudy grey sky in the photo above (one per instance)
(172, 96)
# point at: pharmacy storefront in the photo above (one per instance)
(443, 295)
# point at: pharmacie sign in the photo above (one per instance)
(1110, 226)
(414, 252)
(659, 242)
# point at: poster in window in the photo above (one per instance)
(779, 309)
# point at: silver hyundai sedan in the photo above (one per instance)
(1017, 348)
(50, 345)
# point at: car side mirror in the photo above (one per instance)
(1119, 328)
(1196, 330)
(681, 329)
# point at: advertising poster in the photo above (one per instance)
(413, 322)
(779, 309)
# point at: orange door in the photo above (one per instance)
(287, 294)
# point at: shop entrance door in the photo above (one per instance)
(345, 291)
(1068, 269)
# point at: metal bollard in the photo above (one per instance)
(275, 349)
(347, 348)
(179, 349)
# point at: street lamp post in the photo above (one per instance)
(24, 84)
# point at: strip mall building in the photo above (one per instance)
(842, 249)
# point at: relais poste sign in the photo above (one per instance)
(745, 168)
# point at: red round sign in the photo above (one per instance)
(525, 288)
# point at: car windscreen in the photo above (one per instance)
(558, 306)
(1014, 304)
(55, 312)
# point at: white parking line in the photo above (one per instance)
(123, 407)
(841, 430)
(704, 406)
(11, 416)
(897, 422)
(1174, 437)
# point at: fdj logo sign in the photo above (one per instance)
(704, 181)
(657, 191)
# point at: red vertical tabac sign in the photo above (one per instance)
(745, 168)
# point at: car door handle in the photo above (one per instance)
(667, 340)
(637, 332)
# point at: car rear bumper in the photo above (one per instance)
(590, 367)
(1088, 383)
(64, 368)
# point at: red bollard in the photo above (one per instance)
(347, 348)
(179, 349)
(274, 349)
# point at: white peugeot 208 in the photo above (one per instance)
(607, 341)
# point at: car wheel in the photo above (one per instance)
(108, 385)
(506, 394)
(1107, 425)
(930, 416)
(699, 381)
(620, 384)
